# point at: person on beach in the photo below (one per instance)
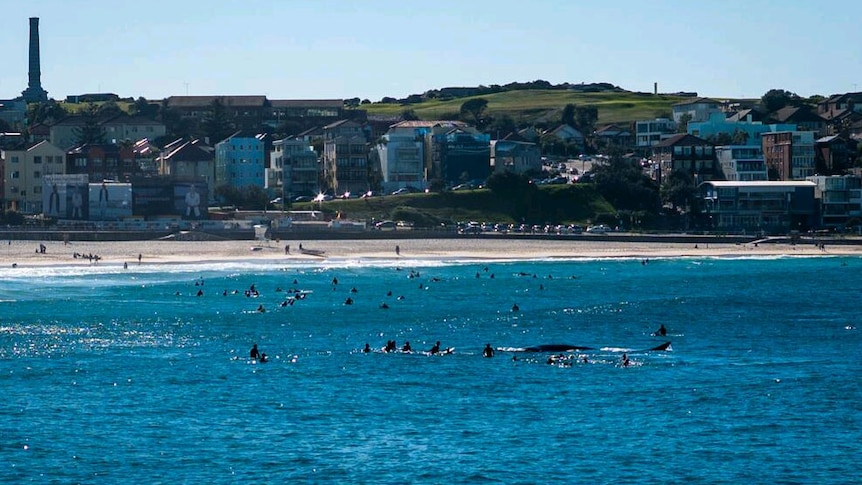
(488, 351)
(397, 250)
(287, 249)
(254, 353)
(435, 349)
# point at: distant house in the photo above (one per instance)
(103, 161)
(835, 154)
(690, 154)
(805, 118)
(839, 104)
(13, 111)
(188, 161)
(115, 128)
(613, 135)
(698, 109)
(461, 154)
(515, 156)
(840, 199)
(651, 132)
(565, 134)
(341, 128)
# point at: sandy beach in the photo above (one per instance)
(26, 253)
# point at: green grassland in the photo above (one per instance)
(549, 204)
(529, 106)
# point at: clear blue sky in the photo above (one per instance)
(296, 49)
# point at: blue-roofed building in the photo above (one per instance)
(745, 132)
(240, 161)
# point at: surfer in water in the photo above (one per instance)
(407, 347)
(435, 349)
(488, 351)
(661, 332)
(254, 353)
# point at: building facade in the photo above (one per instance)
(240, 161)
(742, 163)
(839, 198)
(103, 162)
(759, 207)
(687, 153)
(461, 156)
(295, 169)
(652, 132)
(515, 156)
(188, 161)
(789, 155)
(22, 175)
(345, 164)
(697, 109)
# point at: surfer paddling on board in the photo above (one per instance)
(661, 332)
(254, 353)
(435, 349)
(488, 351)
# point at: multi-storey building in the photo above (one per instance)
(240, 161)
(741, 163)
(461, 155)
(23, 171)
(764, 206)
(840, 199)
(789, 155)
(103, 162)
(295, 169)
(515, 156)
(743, 132)
(690, 154)
(652, 132)
(345, 164)
(115, 128)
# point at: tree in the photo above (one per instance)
(218, 123)
(586, 118)
(409, 115)
(143, 107)
(109, 108)
(47, 111)
(475, 109)
(625, 186)
(682, 126)
(775, 99)
(568, 117)
(91, 132)
(678, 189)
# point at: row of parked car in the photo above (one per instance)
(479, 228)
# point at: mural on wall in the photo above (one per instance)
(190, 200)
(65, 196)
(110, 201)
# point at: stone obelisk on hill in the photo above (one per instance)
(34, 92)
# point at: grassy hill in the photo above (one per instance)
(550, 204)
(538, 105)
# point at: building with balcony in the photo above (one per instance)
(839, 198)
(461, 155)
(789, 155)
(345, 164)
(759, 207)
(22, 175)
(187, 161)
(744, 132)
(240, 161)
(741, 163)
(103, 161)
(687, 153)
(652, 132)
(295, 169)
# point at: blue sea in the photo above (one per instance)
(128, 376)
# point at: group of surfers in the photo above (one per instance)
(391, 346)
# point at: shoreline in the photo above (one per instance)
(112, 253)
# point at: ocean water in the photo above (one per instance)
(126, 376)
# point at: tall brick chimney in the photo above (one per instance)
(34, 92)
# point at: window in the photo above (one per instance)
(14, 159)
(37, 189)
(37, 159)
(37, 174)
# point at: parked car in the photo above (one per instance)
(385, 226)
(599, 229)
(463, 187)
